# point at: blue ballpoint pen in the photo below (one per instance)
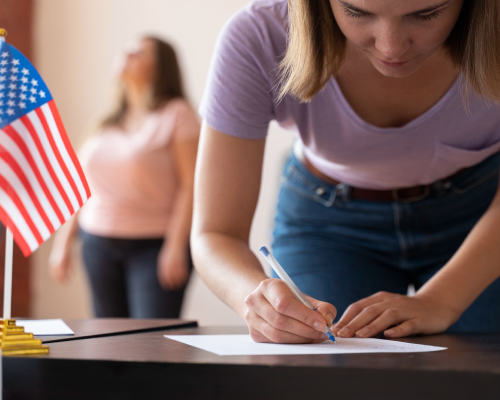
(293, 288)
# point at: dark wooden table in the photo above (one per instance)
(147, 365)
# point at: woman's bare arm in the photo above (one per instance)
(227, 184)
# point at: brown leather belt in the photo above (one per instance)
(404, 195)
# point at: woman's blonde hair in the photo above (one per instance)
(316, 47)
(167, 83)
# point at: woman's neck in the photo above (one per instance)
(138, 98)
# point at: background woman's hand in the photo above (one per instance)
(60, 263)
(402, 314)
(274, 315)
(173, 268)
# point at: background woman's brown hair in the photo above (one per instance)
(166, 86)
(316, 47)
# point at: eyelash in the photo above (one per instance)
(426, 17)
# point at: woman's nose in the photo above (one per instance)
(392, 42)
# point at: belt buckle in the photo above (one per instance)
(395, 195)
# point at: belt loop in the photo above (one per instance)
(343, 191)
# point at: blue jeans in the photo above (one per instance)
(341, 250)
(123, 279)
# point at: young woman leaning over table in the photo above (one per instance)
(393, 179)
(140, 166)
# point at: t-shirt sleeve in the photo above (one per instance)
(187, 124)
(237, 99)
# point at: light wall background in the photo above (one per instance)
(75, 45)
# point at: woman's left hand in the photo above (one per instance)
(173, 268)
(402, 314)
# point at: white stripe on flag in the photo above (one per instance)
(37, 124)
(18, 220)
(23, 163)
(64, 152)
(25, 198)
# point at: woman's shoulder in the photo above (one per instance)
(261, 23)
(174, 108)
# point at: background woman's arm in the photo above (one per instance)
(173, 267)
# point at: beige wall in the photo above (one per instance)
(74, 48)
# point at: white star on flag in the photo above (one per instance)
(34, 82)
(11, 103)
(15, 62)
(14, 70)
(2, 78)
(13, 78)
(32, 99)
(10, 111)
(24, 88)
(3, 70)
(42, 94)
(33, 90)
(24, 79)
(12, 86)
(25, 71)
(22, 104)
(22, 96)
(2, 86)
(4, 62)
(5, 54)
(12, 95)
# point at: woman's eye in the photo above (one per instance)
(352, 14)
(427, 17)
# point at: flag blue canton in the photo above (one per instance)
(21, 88)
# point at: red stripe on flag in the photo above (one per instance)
(67, 143)
(31, 129)
(11, 132)
(22, 177)
(20, 206)
(60, 160)
(15, 232)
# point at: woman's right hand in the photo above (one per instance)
(60, 263)
(274, 315)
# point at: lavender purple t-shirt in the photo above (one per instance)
(241, 99)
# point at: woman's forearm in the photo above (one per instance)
(227, 266)
(473, 268)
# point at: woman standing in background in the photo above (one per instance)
(140, 167)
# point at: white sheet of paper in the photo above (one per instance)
(45, 327)
(243, 345)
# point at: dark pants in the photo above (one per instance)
(123, 278)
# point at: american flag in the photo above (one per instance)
(41, 181)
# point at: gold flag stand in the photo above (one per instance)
(14, 341)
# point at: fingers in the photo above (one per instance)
(406, 328)
(266, 333)
(327, 310)
(279, 317)
(352, 311)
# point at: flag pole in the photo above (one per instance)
(7, 294)
(9, 246)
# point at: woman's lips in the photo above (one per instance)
(393, 64)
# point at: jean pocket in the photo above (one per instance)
(308, 187)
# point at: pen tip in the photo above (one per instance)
(264, 251)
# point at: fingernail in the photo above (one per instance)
(362, 332)
(329, 319)
(344, 332)
(390, 332)
(319, 326)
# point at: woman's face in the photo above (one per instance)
(139, 63)
(397, 36)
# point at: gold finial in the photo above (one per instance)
(3, 32)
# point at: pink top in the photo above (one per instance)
(132, 174)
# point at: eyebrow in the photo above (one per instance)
(423, 11)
